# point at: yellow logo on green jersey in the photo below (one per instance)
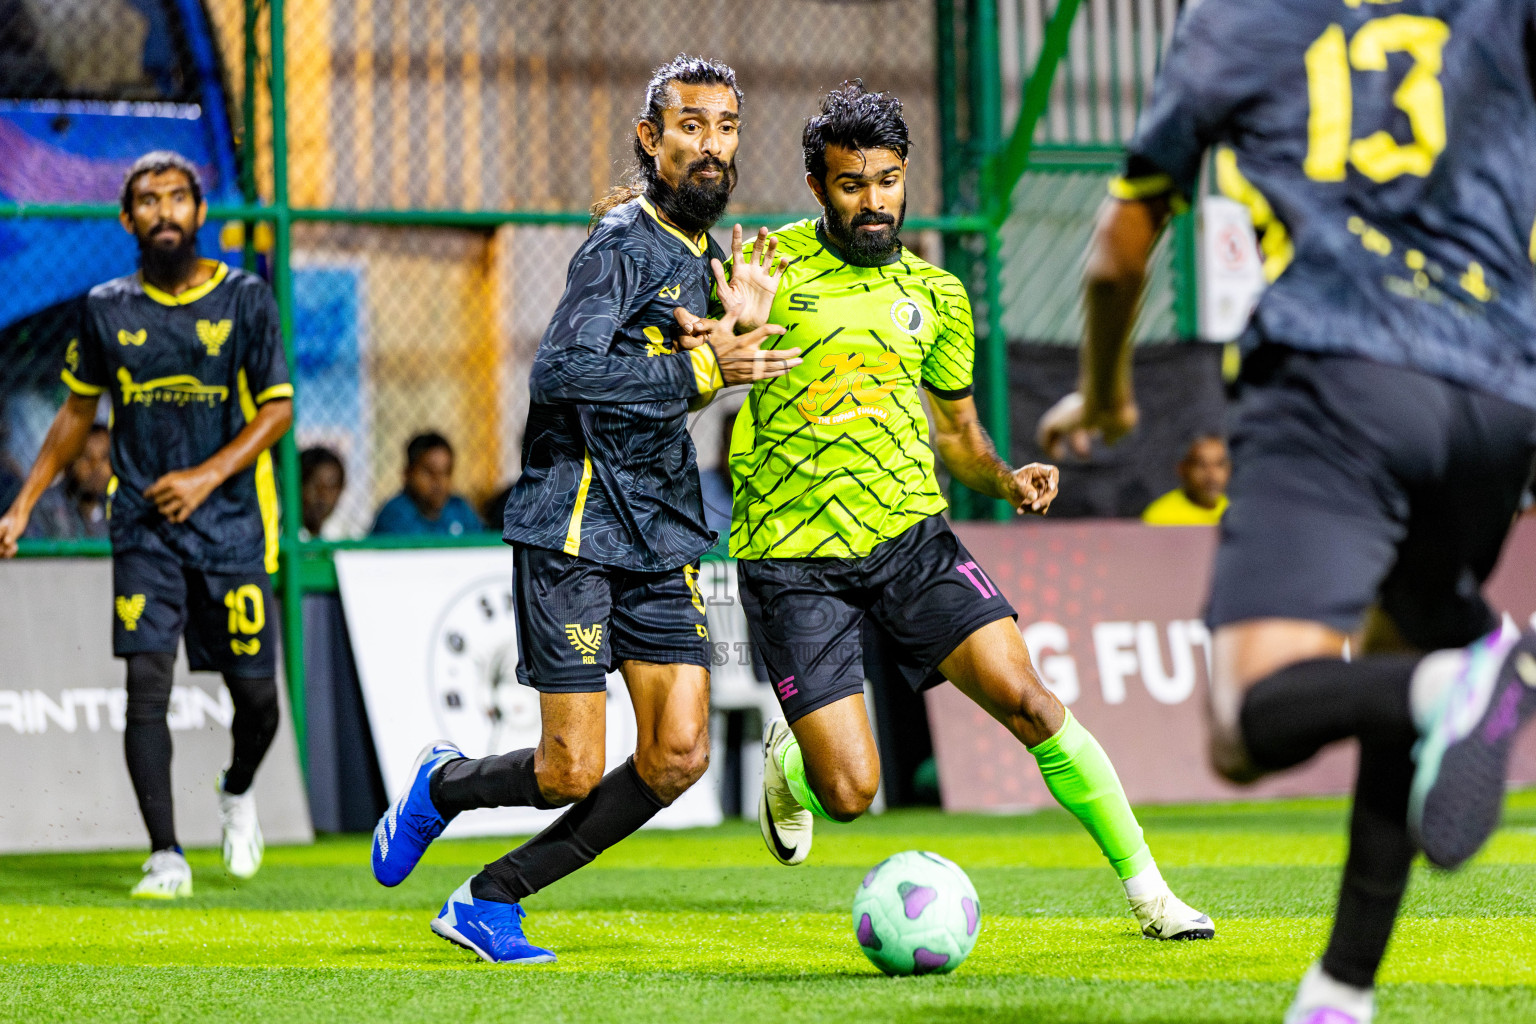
(132, 337)
(213, 335)
(850, 391)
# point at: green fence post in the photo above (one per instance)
(986, 139)
(1186, 283)
(248, 133)
(287, 449)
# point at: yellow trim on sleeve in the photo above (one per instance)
(695, 245)
(79, 386)
(1150, 187)
(573, 532)
(706, 369)
(266, 479)
(1274, 239)
(191, 295)
(275, 391)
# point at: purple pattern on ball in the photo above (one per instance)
(1330, 1016)
(925, 961)
(915, 898)
(866, 934)
(972, 915)
(869, 879)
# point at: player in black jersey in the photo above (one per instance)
(607, 526)
(191, 354)
(1387, 420)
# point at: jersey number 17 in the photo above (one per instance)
(1330, 122)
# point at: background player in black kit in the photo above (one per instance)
(1387, 420)
(607, 526)
(191, 354)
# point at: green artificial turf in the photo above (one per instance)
(700, 926)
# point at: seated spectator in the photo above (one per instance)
(427, 505)
(1201, 498)
(76, 507)
(493, 512)
(322, 478)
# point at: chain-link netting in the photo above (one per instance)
(1105, 75)
(494, 105)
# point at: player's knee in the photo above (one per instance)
(569, 780)
(675, 760)
(149, 687)
(1229, 755)
(849, 796)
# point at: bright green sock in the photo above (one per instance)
(793, 763)
(1080, 777)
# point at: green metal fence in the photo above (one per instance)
(416, 173)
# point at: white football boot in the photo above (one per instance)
(1162, 915)
(786, 825)
(1322, 1000)
(167, 876)
(243, 844)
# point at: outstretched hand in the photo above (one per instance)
(12, 525)
(741, 357)
(1071, 425)
(754, 279)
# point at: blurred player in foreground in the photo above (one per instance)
(1387, 421)
(192, 355)
(607, 526)
(837, 517)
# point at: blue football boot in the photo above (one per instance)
(491, 930)
(412, 822)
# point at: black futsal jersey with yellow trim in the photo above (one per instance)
(609, 472)
(186, 373)
(1385, 151)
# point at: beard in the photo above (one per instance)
(865, 248)
(694, 205)
(168, 264)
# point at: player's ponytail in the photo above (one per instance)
(613, 199)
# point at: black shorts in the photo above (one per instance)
(1356, 483)
(920, 593)
(577, 619)
(228, 618)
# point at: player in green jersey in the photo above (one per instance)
(836, 513)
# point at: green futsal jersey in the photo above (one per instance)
(833, 458)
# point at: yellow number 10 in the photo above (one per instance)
(1379, 156)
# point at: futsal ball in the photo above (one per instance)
(916, 913)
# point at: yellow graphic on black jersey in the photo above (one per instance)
(182, 389)
(247, 616)
(656, 343)
(72, 355)
(691, 577)
(132, 337)
(850, 391)
(588, 640)
(214, 335)
(129, 609)
(673, 292)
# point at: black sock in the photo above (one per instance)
(1289, 716)
(505, 780)
(147, 744)
(256, 714)
(1380, 854)
(1292, 714)
(620, 804)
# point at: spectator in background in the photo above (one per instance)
(427, 505)
(1201, 496)
(322, 478)
(76, 507)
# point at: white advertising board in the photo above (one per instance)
(435, 639)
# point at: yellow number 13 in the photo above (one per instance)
(1379, 156)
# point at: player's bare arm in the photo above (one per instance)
(742, 359)
(753, 281)
(968, 453)
(178, 494)
(1104, 402)
(63, 445)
